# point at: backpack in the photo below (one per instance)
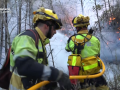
(79, 66)
(5, 73)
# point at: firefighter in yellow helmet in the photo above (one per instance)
(28, 59)
(90, 48)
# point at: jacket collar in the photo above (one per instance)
(45, 40)
(83, 32)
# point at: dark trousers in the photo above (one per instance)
(96, 81)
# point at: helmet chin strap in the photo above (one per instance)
(49, 32)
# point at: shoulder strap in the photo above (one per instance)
(32, 34)
(36, 37)
(44, 61)
(69, 41)
(36, 41)
(7, 58)
(79, 43)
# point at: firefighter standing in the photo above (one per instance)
(91, 48)
(29, 62)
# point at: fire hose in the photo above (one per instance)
(72, 77)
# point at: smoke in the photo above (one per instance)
(60, 55)
(110, 45)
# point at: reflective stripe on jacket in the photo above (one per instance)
(91, 48)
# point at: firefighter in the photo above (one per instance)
(28, 62)
(91, 48)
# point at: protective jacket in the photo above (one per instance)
(28, 62)
(91, 48)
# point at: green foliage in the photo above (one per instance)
(98, 7)
(110, 17)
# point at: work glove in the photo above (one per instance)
(64, 81)
(50, 86)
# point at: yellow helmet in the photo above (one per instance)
(81, 21)
(46, 14)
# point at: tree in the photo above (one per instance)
(106, 14)
(109, 7)
(19, 16)
(30, 12)
(96, 9)
(51, 5)
(82, 7)
(6, 28)
(49, 43)
(26, 13)
(1, 31)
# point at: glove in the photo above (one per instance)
(64, 81)
(50, 86)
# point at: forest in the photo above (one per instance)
(16, 16)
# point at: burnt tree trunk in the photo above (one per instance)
(6, 26)
(19, 16)
(97, 15)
